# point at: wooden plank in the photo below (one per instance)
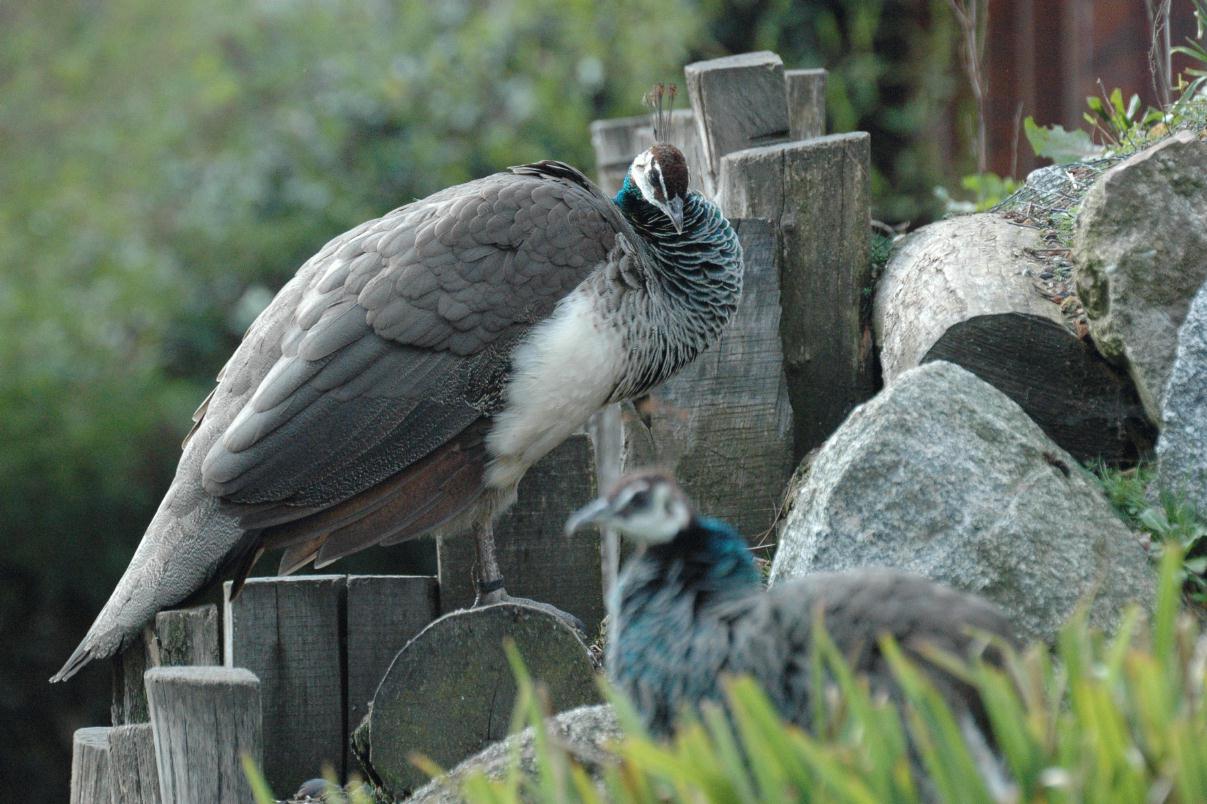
(129, 702)
(188, 636)
(739, 102)
(606, 431)
(806, 103)
(383, 613)
(204, 720)
(536, 559)
(90, 778)
(135, 779)
(724, 424)
(817, 194)
(451, 691)
(289, 632)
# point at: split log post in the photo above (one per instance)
(135, 779)
(204, 720)
(724, 423)
(451, 691)
(806, 103)
(384, 612)
(739, 102)
(535, 557)
(179, 637)
(606, 431)
(91, 781)
(962, 290)
(817, 195)
(289, 633)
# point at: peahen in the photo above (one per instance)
(691, 608)
(404, 380)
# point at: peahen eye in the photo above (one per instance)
(640, 500)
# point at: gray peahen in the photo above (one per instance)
(405, 379)
(691, 607)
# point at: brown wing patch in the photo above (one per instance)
(405, 506)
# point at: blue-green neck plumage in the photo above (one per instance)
(666, 601)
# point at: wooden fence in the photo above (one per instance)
(302, 657)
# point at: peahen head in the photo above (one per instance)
(647, 507)
(657, 177)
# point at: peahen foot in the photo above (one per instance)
(500, 595)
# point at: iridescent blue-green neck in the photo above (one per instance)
(709, 555)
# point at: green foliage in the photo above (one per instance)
(1095, 719)
(987, 190)
(1057, 143)
(1193, 81)
(1164, 517)
(354, 792)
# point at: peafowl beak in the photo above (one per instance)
(675, 213)
(593, 513)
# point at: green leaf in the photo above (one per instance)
(1058, 144)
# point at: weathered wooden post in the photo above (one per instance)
(204, 720)
(616, 142)
(535, 557)
(384, 612)
(817, 194)
(91, 781)
(289, 632)
(806, 103)
(739, 102)
(135, 779)
(178, 637)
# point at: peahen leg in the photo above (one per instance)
(490, 580)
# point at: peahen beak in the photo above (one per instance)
(593, 513)
(675, 213)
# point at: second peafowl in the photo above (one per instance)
(690, 608)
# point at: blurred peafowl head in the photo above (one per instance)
(647, 507)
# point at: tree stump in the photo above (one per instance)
(450, 692)
(179, 637)
(961, 290)
(204, 720)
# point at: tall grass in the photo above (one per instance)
(1093, 719)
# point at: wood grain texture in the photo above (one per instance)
(203, 720)
(535, 557)
(806, 103)
(450, 692)
(289, 632)
(188, 636)
(817, 194)
(723, 424)
(135, 779)
(90, 776)
(129, 702)
(739, 102)
(384, 612)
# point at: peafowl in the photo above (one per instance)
(691, 608)
(404, 380)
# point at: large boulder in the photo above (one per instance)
(1182, 450)
(943, 475)
(585, 733)
(1141, 253)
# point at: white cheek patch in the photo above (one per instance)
(642, 179)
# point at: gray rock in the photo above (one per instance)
(943, 475)
(1182, 450)
(584, 732)
(1141, 253)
